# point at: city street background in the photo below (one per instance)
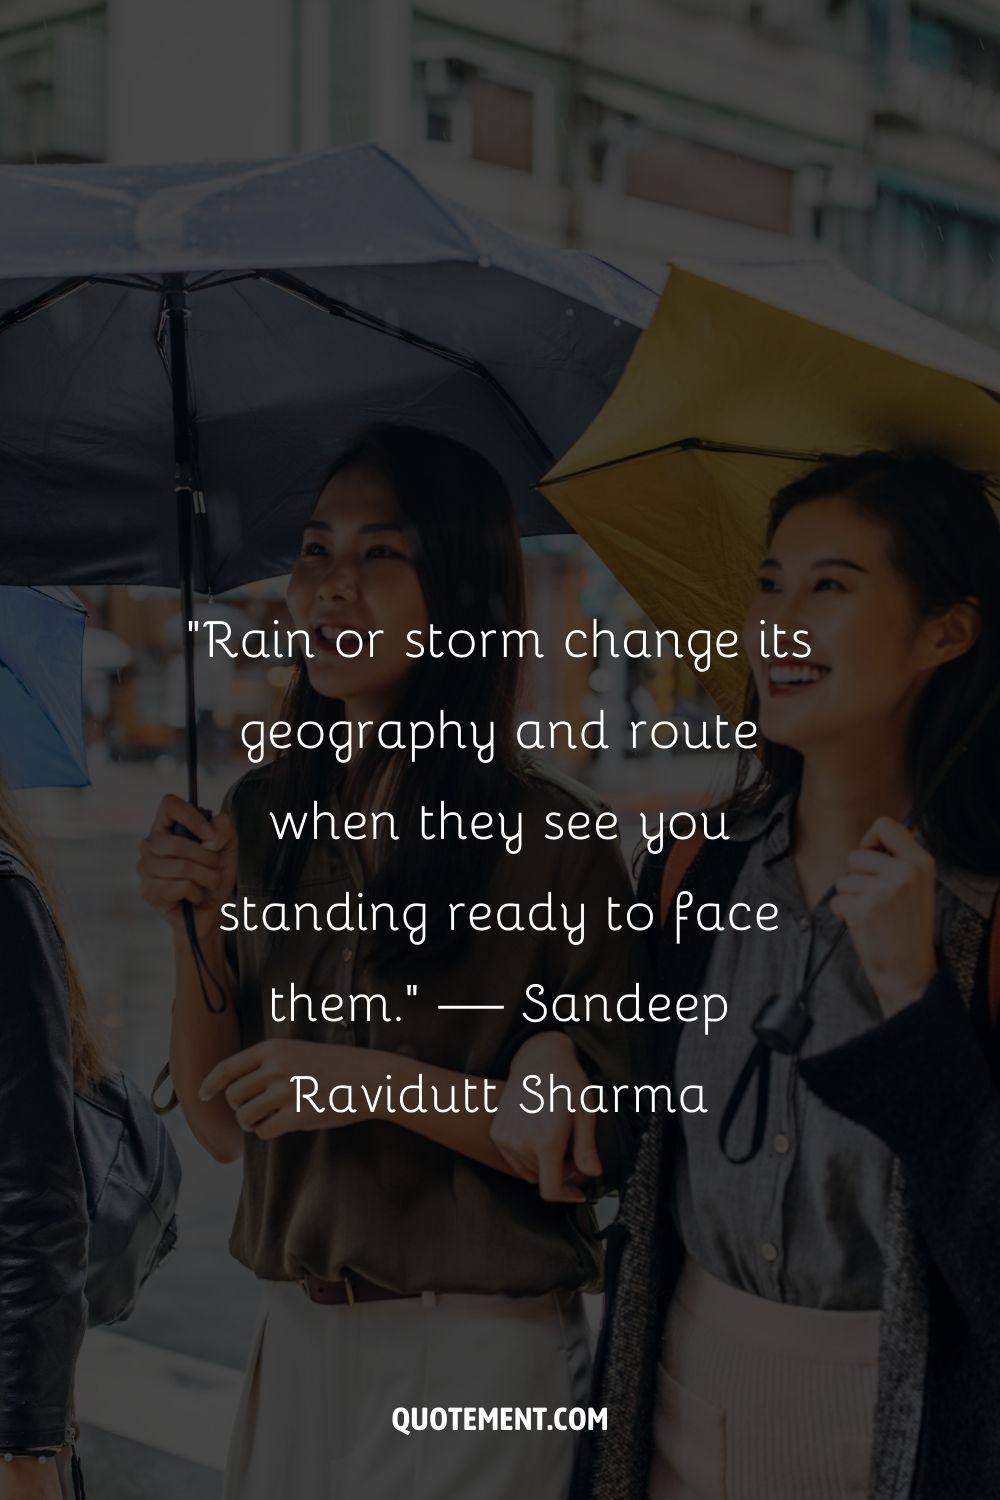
(635, 129)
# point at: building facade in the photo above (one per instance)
(637, 129)
(634, 128)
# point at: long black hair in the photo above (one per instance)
(945, 543)
(467, 554)
(89, 1063)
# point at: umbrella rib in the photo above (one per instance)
(61, 289)
(332, 305)
(134, 283)
(215, 278)
(45, 299)
(688, 445)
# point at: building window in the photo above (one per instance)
(943, 47)
(626, 154)
(502, 124)
(481, 112)
(944, 262)
(606, 137)
(930, 43)
(949, 81)
(53, 90)
(703, 179)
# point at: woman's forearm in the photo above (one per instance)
(199, 1039)
(466, 1130)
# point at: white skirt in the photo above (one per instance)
(760, 1400)
(315, 1417)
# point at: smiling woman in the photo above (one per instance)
(875, 641)
(857, 1075)
(336, 1207)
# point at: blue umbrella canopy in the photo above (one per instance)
(305, 296)
(41, 688)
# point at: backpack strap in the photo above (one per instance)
(683, 853)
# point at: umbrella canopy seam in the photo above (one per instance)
(686, 445)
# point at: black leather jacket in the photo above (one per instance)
(43, 1209)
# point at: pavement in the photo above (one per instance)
(156, 1396)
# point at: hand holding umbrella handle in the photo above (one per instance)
(204, 972)
(183, 831)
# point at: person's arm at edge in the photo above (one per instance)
(43, 1209)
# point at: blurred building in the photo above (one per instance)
(629, 127)
(637, 129)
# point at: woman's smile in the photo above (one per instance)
(785, 680)
(342, 638)
(830, 574)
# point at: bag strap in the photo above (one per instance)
(683, 853)
(162, 1077)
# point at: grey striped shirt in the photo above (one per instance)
(803, 1222)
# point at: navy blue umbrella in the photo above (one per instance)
(184, 349)
(41, 688)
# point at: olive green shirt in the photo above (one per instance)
(373, 1197)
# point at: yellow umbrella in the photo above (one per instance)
(744, 377)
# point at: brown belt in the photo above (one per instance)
(348, 1290)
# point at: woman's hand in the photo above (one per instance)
(258, 1087)
(27, 1479)
(173, 868)
(887, 902)
(556, 1149)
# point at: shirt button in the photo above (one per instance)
(781, 1143)
(805, 921)
(347, 955)
(769, 1252)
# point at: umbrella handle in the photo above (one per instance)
(187, 910)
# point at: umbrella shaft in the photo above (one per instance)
(185, 491)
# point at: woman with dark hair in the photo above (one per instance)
(407, 1264)
(806, 1296)
(48, 1051)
